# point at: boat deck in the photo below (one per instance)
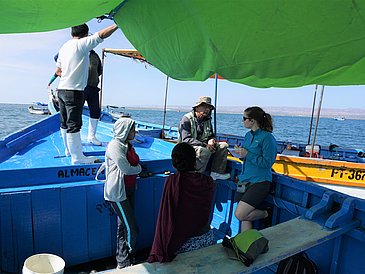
(48, 151)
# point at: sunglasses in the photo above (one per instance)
(245, 118)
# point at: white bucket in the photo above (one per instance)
(44, 264)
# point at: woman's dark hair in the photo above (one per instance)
(183, 157)
(80, 31)
(263, 118)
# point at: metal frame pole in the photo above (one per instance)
(164, 110)
(314, 103)
(317, 119)
(101, 80)
(215, 104)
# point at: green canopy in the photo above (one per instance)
(260, 43)
(22, 16)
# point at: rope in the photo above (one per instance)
(112, 13)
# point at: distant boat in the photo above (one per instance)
(38, 108)
(117, 112)
(340, 118)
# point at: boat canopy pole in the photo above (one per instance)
(101, 78)
(164, 109)
(317, 119)
(314, 103)
(215, 104)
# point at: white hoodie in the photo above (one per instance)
(116, 162)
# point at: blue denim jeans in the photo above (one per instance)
(71, 104)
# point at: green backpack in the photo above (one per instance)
(247, 245)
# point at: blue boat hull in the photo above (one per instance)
(48, 205)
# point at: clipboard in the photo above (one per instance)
(234, 153)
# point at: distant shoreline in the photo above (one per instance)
(352, 113)
(184, 109)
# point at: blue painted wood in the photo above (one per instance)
(47, 227)
(323, 207)
(22, 227)
(99, 223)
(45, 126)
(74, 224)
(20, 139)
(235, 224)
(352, 255)
(338, 244)
(345, 214)
(144, 208)
(7, 251)
(58, 174)
(222, 208)
(159, 185)
(15, 224)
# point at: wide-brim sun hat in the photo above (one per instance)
(204, 100)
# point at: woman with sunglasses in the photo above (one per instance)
(259, 153)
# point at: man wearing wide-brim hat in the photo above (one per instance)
(196, 129)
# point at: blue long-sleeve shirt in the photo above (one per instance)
(262, 149)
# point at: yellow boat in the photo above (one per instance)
(320, 170)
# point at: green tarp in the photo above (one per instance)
(22, 16)
(260, 43)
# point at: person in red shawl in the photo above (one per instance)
(183, 219)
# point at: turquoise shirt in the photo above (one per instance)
(262, 149)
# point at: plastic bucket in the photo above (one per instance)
(44, 264)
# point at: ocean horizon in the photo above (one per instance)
(345, 134)
(349, 113)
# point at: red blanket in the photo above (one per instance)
(185, 209)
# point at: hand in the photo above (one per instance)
(211, 148)
(242, 153)
(211, 142)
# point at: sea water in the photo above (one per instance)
(346, 134)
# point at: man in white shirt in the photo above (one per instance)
(72, 67)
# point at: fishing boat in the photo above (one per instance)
(50, 206)
(117, 112)
(44, 197)
(38, 108)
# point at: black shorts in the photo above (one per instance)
(255, 193)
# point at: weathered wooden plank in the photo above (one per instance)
(285, 240)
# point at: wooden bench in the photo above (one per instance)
(285, 240)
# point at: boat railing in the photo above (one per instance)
(13, 143)
(331, 152)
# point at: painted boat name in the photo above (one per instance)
(78, 172)
(352, 174)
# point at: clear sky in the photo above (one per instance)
(26, 66)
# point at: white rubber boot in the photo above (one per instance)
(75, 148)
(93, 123)
(64, 137)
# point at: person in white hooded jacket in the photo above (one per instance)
(121, 169)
